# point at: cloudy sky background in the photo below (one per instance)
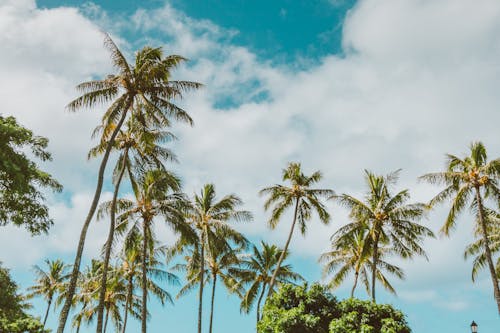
(339, 86)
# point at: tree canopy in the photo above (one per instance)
(21, 180)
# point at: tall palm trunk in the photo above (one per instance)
(491, 266)
(83, 234)
(109, 244)
(106, 320)
(212, 304)
(47, 312)
(127, 303)
(374, 264)
(356, 276)
(282, 256)
(144, 278)
(202, 272)
(260, 300)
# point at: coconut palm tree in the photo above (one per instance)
(209, 221)
(389, 220)
(349, 254)
(299, 195)
(469, 181)
(147, 82)
(139, 147)
(49, 283)
(255, 272)
(156, 194)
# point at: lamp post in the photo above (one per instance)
(473, 327)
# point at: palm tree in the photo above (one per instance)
(208, 218)
(139, 147)
(300, 195)
(349, 254)
(156, 194)
(255, 273)
(49, 283)
(476, 249)
(471, 179)
(388, 219)
(148, 83)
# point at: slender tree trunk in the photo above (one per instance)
(83, 234)
(127, 303)
(212, 304)
(47, 312)
(109, 245)
(106, 320)
(491, 266)
(202, 272)
(356, 275)
(260, 300)
(144, 278)
(374, 264)
(78, 326)
(282, 256)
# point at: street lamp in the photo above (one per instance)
(473, 327)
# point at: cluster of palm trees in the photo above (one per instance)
(208, 248)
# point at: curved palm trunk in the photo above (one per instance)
(374, 265)
(83, 234)
(47, 312)
(282, 256)
(144, 279)
(127, 303)
(109, 244)
(212, 304)
(202, 272)
(356, 276)
(106, 320)
(260, 300)
(491, 266)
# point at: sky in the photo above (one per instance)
(340, 86)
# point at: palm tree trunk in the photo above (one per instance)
(109, 244)
(127, 303)
(47, 312)
(282, 256)
(356, 275)
(260, 300)
(78, 326)
(212, 305)
(106, 320)
(83, 234)
(491, 266)
(144, 279)
(202, 272)
(374, 265)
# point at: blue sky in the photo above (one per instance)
(339, 85)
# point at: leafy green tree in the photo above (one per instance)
(368, 317)
(49, 283)
(469, 181)
(299, 309)
(21, 201)
(299, 195)
(389, 220)
(255, 272)
(208, 218)
(139, 147)
(147, 83)
(349, 254)
(13, 318)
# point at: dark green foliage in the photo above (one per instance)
(368, 317)
(21, 201)
(13, 319)
(299, 309)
